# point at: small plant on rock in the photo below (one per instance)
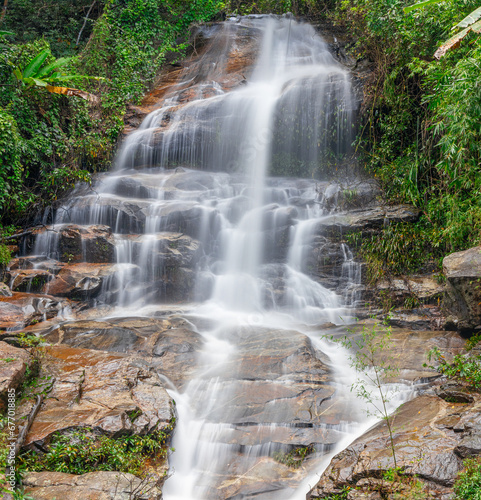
(373, 360)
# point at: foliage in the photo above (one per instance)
(421, 130)
(469, 23)
(58, 21)
(373, 360)
(49, 143)
(83, 451)
(401, 249)
(5, 255)
(464, 367)
(293, 458)
(468, 484)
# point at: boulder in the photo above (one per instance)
(93, 485)
(84, 280)
(463, 293)
(5, 290)
(365, 220)
(430, 436)
(22, 309)
(13, 364)
(29, 280)
(108, 393)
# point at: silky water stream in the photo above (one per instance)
(247, 264)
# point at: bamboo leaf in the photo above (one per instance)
(420, 5)
(455, 41)
(470, 19)
(35, 64)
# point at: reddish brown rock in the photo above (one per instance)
(106, 392)
(80, 281)
(13, 364)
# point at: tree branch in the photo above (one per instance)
(85, 21)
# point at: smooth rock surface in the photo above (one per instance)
(91, 486)
(170, 345)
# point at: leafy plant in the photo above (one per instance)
(373, 359)
(39, 74)
(464, 367)
(84, 451)
(468, 483)
(469, 23)
(293, 458)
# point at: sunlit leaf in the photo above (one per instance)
(470, 19)
(420, 5)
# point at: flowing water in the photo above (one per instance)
(199, 219)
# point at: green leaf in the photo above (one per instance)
(39, 83)
(50, 67)
(470, 19)
(6, 33)
(420, 5)
(35, 64)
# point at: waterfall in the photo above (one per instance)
(217, 202)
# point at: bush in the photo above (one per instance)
(468, 484)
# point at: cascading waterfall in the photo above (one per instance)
(194, 181)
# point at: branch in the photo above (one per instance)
(24, 431)
(85, 21)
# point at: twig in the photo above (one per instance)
(24, 431)
(85, 21)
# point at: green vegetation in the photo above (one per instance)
(468, 484)
(48, 141)
(421, 130)
(464, 367)
(294, 458)
(84, 451)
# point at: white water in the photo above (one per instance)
(255, 275)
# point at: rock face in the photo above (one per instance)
(170, 345)
(94, 485)
(73, 242)
(13, 364)
(431, 438)
(106, 392)
(463, 294)
(23, 309)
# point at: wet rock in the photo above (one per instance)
(106, 392)
(454, 393)
(165, 250)
(469, 446)
(13, 364)
(82, 281)
(366, 220)
(5, 290)
(428, 442)
(425, 288)
(23, 309)
(170, 344)
(463, 294)
(29, 280)
(123, 215)
(94, 485)
(39, 262)
(72, 243)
